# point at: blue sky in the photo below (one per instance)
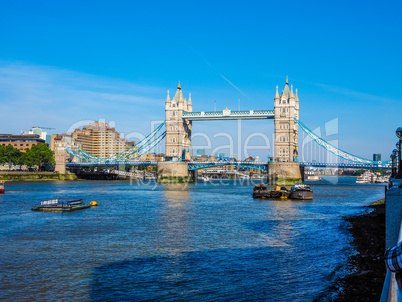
(67, 61)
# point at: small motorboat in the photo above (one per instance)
(314, 178)
(2, 190)
(203, 178)
(60, 205)
(261, 191)
(301, 192)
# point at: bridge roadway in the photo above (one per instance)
(229, 115)
(345, 166)
(254, 165)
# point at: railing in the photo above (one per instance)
(345, 165)
(258, 114)
(392, 289)
(112, 163)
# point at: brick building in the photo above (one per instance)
(21, 142)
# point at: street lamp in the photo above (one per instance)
(396, 153)
(399, 144)
(393, 157)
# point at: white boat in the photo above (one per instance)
(382, 179)
(2, 190)
(367, 178)
(313, 178)
(203, 178)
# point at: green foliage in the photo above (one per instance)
(36, 156)
(10, 155)
(359, 172)
(378, 171)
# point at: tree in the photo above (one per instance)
(38, 155)
(3, 157)
(12, 155)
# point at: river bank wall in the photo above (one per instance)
(36, 176)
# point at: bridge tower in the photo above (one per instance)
(285, 169)
(178, 130)
(286, 129)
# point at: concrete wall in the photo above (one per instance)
(284, 170)
(172, 169)
(393, 215)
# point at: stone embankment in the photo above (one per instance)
(35, 176)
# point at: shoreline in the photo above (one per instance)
(366, 267)
(36, 176)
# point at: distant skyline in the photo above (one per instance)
(65, 63)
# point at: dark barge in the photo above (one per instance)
(58, 205)
(261, 191)
(301, 192)
(298, 191)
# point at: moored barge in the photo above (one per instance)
(261, 191)
(298, 191)
(58, 205)
(301, 192)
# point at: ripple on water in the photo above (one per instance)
(204, 242)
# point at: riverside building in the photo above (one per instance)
(99, 139)
(21, 142)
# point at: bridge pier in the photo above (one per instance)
(194, 175)
(173, 172)
(60, 159)
(284, 173)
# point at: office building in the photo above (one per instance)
(21, 142)
(376, 157)
(99, 139)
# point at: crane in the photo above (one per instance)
(43, 127)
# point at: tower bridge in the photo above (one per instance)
(179, 117)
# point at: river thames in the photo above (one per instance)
(144, 241)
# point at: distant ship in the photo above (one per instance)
(366, 178)
(313, 178)
(203, 178)
(2, 187)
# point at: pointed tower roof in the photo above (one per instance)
(286, 91)
(178, 97)
(168, 97)
(291, 91)
(276, 93)
(189, 99)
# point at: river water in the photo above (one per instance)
(144, 241)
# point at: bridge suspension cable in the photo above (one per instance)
(334, 150)
(139, 149)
